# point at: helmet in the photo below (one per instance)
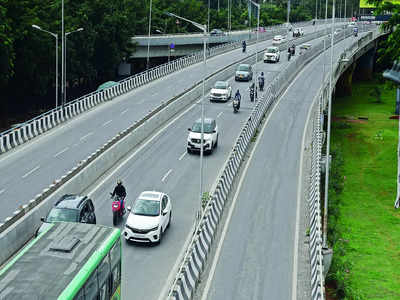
(262, 73)
(119, 181)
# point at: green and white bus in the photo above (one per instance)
(67, 261)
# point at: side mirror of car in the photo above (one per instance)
(128, 208)
(189, 129)
(214, 131)
(42, 219)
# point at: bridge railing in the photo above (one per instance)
(32, 128)
(194, 260)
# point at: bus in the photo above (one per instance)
(67, 261)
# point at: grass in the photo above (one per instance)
(364, 227)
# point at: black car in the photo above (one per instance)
(70, 208)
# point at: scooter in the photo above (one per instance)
(235, 104)
(251, 94)
(117, 210)
(289, 55)
(261, 85)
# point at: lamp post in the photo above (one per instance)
(148, 39)
(258, 29)
(65, 62)
(62, 53)
(204, 28)
(56, 37)
(328, 139)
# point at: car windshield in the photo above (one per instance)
(221, 85)
(144, 207)
(207, 127)
(277, 38)
(62, 215)
(243, 68)
(272, 50)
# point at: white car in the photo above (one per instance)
(352, 24)
(272, 54)
(221, 91)
(210, 131)
(149, 217)
(298, 32)
(278, 39)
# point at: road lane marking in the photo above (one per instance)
(182, 156)
(124, 111)
(61, 152)
(2, 191)
(106, 123)
(231, 209)
(166, 175)
(31, 171)
(219, 114)
(86, 136)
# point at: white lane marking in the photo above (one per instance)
(2, 191)
(182, 156)
(166, 175)
(221, 241)
(219, 114)
(124, 111)
(86, 136)
(106, 123)
(31, 171)
(61, 152)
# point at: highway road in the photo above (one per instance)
(30, 168)
(256, 255)
(162, 164)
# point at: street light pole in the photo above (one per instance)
(148, 39)
(65, 62)
(258, 28)
(204, 28)
(328, 139)
(56, 37)
(62, 52)
(208, 16)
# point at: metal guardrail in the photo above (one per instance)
(194, 260)
(32, 128)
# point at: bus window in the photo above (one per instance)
(103, 273)
(91, 287)
(115, 255)
(80, 295)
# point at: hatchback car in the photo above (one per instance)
(272, 54)
(278, 39)
(221, 91)
(70, 208)
(149, 217)
(244, 72)
(216, 32)
(210, 130)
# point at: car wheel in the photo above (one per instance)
(216, 142)
(160, 237)
(189, 151)
(169, 221)
(94, 221)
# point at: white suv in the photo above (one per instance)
(272, 54)
(278, 39)
(210, 136)
(149, 217)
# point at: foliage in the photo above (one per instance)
(362, 225)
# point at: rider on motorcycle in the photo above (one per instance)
(238, 97)
(120, 192)
(244, 46)
(261, 81)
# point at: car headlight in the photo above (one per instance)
(153, 229)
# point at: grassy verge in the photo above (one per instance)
(364, 228)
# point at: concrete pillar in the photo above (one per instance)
(7, 142)
(365, 66)
(344, 84)
(2, 144)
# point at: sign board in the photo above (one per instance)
(366, 4)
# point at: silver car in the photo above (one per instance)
(244, 72)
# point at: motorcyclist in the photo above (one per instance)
(238, 97)
(120, 192)
(293, 49)
(355, 31)
(261, 81)
(244, 46)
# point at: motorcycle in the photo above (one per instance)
(244, 49)
(117, 210)
(355, 34)
(289, 55)
(235, 104)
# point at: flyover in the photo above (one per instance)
(147, 170)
